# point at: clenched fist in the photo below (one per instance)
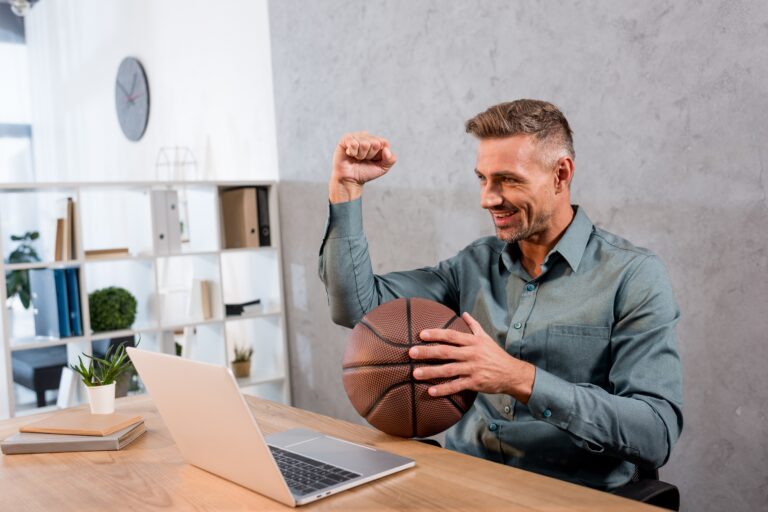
(359, 158)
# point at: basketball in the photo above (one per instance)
(378, 372)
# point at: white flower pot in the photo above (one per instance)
(102, 398)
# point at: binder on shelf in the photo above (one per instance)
(240, 218)
(173, 224)
(73, 296)
(62, 302)
(262, 201)
(45, 306)
(165, 221)
(51, 302)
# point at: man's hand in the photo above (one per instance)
(359, 158)
(478, 363)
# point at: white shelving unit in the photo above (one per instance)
(118, 214)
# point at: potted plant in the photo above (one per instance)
(100, 375)
(111, 309)
(241, 365)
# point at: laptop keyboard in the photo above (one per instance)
(304, 475)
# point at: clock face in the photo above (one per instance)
(132, 98)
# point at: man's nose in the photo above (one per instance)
(490, 197)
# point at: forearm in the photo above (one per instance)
(641, 429)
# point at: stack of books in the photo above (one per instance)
(75, 431)
(66, 245)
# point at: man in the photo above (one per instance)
(573, 351)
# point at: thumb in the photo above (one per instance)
(388, 158)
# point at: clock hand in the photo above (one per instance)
(138, 95)
(122, 88)
(133, 82)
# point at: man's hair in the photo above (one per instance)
(541, 119)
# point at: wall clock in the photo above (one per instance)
(132, 98)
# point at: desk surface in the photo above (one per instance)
(150, 474)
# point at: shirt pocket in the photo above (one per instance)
(579, 353)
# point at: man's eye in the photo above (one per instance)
(508, 180)
(481, 178)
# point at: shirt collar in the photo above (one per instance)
(571, 245)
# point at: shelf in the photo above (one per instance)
(103, 335)
(42, 264)
(120, 257)
(42, 342)
(249, 249)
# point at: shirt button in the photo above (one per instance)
(547, 413)
(530, 287)
(492, 427)
(507, 409)
(517, 325)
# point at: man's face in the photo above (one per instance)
(517, 188)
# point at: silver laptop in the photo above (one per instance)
(214, 429)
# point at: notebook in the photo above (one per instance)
(25, 442)
(82, 423)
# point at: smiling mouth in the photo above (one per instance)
(504, 217)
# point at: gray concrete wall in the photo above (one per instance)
(668, 103)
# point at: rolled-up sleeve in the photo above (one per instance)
(641, 419)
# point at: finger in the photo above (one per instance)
(374, 150)
(446, 335)
(439, 351)
(452, 387)
(473, 324)
(362, 150)
(352, 145)
(440, 371)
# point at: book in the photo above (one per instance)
(82, 423)
(240, 218)
(59, 247)
(62, 302)
(106, 253)
(71, 248)
(199, 303)
(262, 202)
(26, 442)
(239, 309)
(73, 296)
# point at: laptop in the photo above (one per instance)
(213, 427)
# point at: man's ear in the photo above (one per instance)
(563, 174)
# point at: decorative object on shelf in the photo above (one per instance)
(244, 308)
(241, 365)
(132, 98)
(112, 309)
(100, 375)
(17, 281)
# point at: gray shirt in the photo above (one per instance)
(598, 324)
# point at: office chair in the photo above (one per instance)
(646, 487)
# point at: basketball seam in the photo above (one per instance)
(382, 338)
(381, 397)
(456, 405)
(410, 375)
(449, 322)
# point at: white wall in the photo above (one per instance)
(210, 79)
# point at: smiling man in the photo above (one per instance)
(573, 351)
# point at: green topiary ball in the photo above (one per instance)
(111, 309)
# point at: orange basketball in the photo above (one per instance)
(378, 372)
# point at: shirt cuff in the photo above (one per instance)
(345, 219)
(551, 399)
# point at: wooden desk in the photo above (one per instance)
(150, 474)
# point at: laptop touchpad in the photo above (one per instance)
(340, 453)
